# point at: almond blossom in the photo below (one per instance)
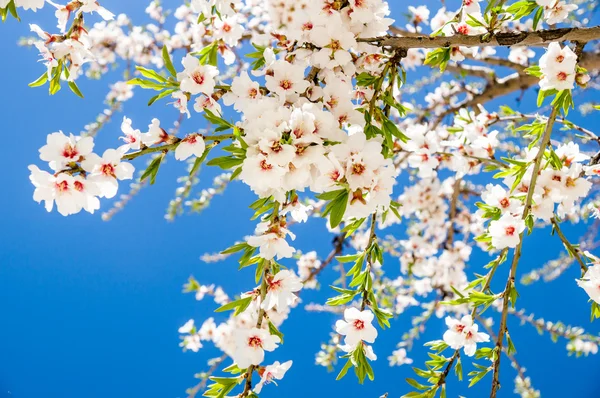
(357, 326)
(192, 145)
(506, 231)
(270, 373)
(281, 289)
(464, 333)
(105, 171)
(251, 345)
(197, 78)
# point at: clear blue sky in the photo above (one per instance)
(91, 309)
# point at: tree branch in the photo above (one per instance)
(536, 38)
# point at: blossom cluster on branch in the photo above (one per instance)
(328, 124)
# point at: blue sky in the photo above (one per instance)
(91, 308)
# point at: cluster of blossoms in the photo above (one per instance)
(72, 48)
(98, 178)
(556, 11)
(558, 67)
(239, 336)
(562, 184)
(320, 112)
(81, 176)
(464, 334)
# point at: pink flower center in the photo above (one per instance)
(335, 175)
(198, 77)
(62, 186)
(191, 139)
(252, 93)
(108, 170)
(504, 203)
(265, 166)
(562, 76)
(285, 84)
(359, 325)
(358, 168)
(254, 342)
(510, 230)
(78, 186)
(70, 152)
(463, 29)
(226, 28)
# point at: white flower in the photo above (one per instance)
(357, 326)
(181, 102)
(287, 80)
(187, 327)
(27, 4)
(155, 134)
(556, 11)
(270, 373)
(271, 241)
(193, 144)
(590, 282)
(59, 189)
(229, 30)
(207, 102)
(106, 170)
(251, 345)
(93, 6)
(133, 138)
(558, 66)
(281, 289)
(464, 334)
(197, 78)
(335, 42)
(243, 92)
(61, 150)
(496, 196)
(399, 358)
(506, 231)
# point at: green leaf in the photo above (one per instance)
(239, 305)
(13, 10)
(275, 332)
(338, 208)
(152, 169)
(150, 74)
(75, 89)
(160, 95)
(344, 370)
(236, 248)
(40, 81)
(330, 195)
(225, 162)
(168, 63)
(146, 84)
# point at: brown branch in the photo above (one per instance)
(511, 83)
(570, 248)
(545, 140)
(338, 242)
(536, 38)
(453, 211)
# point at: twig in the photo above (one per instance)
(517, 255)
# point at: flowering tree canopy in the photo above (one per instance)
(311, 105)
